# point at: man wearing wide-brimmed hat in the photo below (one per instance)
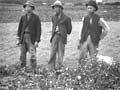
(60, 29)
(93, 29)
(29, 32)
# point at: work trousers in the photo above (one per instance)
(27, 46)
(87, 47)
(57, 50)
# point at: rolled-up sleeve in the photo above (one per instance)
(104, 24)
(81, 26)
(105, 27)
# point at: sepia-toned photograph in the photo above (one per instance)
(59, 44)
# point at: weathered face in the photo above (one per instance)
(57, 9)
(90, 9)
(28, 9)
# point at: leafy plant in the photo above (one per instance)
(91, 75)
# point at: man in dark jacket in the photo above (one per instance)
(93, 29)
(61, 27)
(29, 32)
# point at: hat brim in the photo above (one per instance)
(96, 7)
(24, 6)
(53, 6)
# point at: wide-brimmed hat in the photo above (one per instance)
(92, 3)
(30, 3)
(58, 4)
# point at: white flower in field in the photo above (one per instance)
(36, 75)
(78, 77)
(59, 87)
(107, 59)
(66, 68)
(70, 89)
(75, 69)
(91, 80)
(50, 81)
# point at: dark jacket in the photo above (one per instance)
(94, 29)
(64, 24)
(34, 25)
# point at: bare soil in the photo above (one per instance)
(110, 46)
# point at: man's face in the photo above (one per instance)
(90, 9)
(28, 9)
(57, 9)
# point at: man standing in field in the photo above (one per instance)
(29, 32)
(93, 29)
(61, 27)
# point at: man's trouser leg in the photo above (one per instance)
(54, 49)
(23, 54)
(61, 50)
(92, 48)
(32, 51)
(83, 52)
(88, 46)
